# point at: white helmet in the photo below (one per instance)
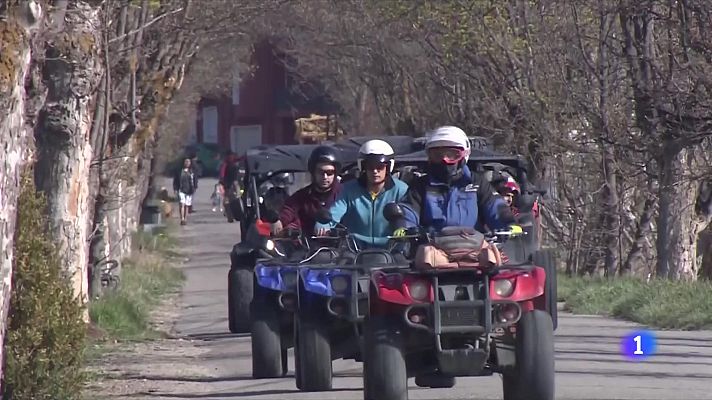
(378, 150)
(449, 136)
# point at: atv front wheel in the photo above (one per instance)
(267, 351)
(384, 369)
(547, 260)
(239, 295)
(313, 357)
(532, 377)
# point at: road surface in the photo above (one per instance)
(209, 363)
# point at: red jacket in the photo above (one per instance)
(299, 211)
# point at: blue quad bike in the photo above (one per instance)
(332, 302)
(275, 297)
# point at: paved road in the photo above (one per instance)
(588, 363)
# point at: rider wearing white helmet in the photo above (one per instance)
(360, 204)
(450, 194)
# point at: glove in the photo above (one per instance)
(399, 232)
(516, 229)
(276, 228)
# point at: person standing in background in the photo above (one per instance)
(184, 184)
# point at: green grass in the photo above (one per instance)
(146, 277)
(661, 304)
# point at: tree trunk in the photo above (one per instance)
(669, 199)
(679, 224)
(641, 232)
(17, 24)
(72, 71)
(612, 210)
(704, 247)
(689, 223)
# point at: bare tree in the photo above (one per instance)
(592, 88)
(71, 67)
(19, 24)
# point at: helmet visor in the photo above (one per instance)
(447, 155)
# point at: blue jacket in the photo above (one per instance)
(361, 214)
(469, 201)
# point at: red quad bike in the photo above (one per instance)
(438, 324)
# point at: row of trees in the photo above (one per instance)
(84, 86)
(609, 99)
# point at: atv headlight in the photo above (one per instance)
(418, 290)
(339, 284)
(503, 287)
(269, 245)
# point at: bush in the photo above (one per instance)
(45, 331)
(146, 277)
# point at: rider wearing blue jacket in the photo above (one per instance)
(450, 194)
(360, 204)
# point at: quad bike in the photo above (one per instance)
(331, 305)
(437, 324)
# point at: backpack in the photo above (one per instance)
(458, 247)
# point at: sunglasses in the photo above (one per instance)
(371, 165)
(327, 172)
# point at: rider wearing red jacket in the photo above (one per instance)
(300, 209)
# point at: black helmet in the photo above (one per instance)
(324, 154)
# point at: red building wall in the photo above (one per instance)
(258, 105)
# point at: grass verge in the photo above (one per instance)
(146, 277)
(661, 304)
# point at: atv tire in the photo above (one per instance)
(240, 290)
(313, 357)
(546, 259)
(267, 354)
(532, 377)
(385, 376)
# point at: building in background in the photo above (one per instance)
(262, 107)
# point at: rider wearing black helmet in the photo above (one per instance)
(299, 211)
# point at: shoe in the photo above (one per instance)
(183, 222)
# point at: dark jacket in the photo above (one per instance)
(299, 211)
(470, 201)
(185, 181)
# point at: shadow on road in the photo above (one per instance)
(208, 336)
(198, 379)
(246, 393)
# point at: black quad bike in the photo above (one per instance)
(262, 164)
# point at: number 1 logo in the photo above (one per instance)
(638, 345)
(638, 350)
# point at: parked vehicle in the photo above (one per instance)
(207, 158)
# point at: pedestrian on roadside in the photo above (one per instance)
(217, 197)
(185, 186)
